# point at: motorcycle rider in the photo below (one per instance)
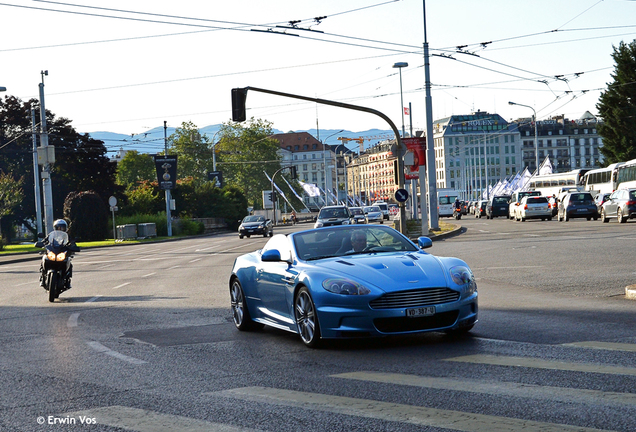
(58, 225)
(457, 205)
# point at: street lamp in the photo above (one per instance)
(399, 66)
(536, 145)
(324, 161)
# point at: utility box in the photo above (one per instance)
(125, 232)
(147, 230)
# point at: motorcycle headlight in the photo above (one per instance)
(345, 287)
(61, 256)
(51, 256)
(463, 276)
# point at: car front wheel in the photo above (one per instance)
(240, 313)
(306, 318)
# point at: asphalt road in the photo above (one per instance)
(144, 342)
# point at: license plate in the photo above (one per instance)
(581, 210)
(421, 311)
(502, 208)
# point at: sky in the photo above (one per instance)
(128, 66)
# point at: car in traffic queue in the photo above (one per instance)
(621, 205)
(480, 208)
(554, 205)
(255, 225)
(497, 206)
(319, 285)
(358, 215)
(533, 207)
(577, 205)
(384, 208)
(600, 199)
(373, 214)
(515, 200)
(333, 215)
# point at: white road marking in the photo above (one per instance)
(72, 320)
(106, 266)
(140, 420)
(194, 260)
(544, 364)
(421, 416)
(122, 285)
(521, 390)
(104, 350)
(149, 274)
(611, 346)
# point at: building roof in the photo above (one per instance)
(304, 140)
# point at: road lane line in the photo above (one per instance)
(149, 274)
(122, 285)
(523, 390)
(140, 420)
(543, 364)
(104, 350)
(72, 320)
(395, 412)
(610, 346)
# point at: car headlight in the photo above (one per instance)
(260, 226)
(345, 222)
(318, 224)
(241, 227)
(344, 286)
(463, 276)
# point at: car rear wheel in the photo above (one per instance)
(240, 313)
(604, 218)
(306, 318)
(621, 218)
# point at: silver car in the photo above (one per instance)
(533, 207)
(374, 214)
(358, 215)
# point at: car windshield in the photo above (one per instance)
(356, 211)
(584, 198)
(632, 194)
(500, 200)
(328, 213)
(254, 219)
(372, 209)
(324, 243)
(536, 200)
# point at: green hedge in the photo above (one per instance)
(179, 226)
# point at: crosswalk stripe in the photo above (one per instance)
(421, 416)
(610, 346)
(141, 420)
(558, 394)
(543, 364)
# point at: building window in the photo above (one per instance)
(305, 167)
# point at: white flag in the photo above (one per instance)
(546, 166)
(310, 189)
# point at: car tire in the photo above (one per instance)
(620, 217)
(240, 236)
(264, 233)
(604, 217)
(523, 219)
(589, 218)
(566, 218)
(271, 233)
(240, 312)
(550, 218)
(306, 318)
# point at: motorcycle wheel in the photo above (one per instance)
(52, 286)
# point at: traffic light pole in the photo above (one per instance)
(238, 115)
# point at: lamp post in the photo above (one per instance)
(214, 150)
(399, 66)
(324, 162)
(536, 145)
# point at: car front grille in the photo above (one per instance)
(403, 324)
(415, 298)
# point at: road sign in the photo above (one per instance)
(401, 195)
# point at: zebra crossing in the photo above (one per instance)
(420, 416)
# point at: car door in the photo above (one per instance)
(611, 205)
(273, 283)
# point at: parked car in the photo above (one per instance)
(373, 213)
(600, 199)
(577, 205)
(255, 225)
(480, 208)
(358, 215)
(621, 205)
(497, 206)
(384, 208)
(326, 290)
(333, 215)
(533, 207)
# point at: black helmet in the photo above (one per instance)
(60, 225)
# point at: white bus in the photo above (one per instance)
(626, 176)
(553, 184)
(446, 201)
(601, 180)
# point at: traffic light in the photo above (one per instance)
(238, 104)
(293, 173)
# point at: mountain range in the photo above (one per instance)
(152, 141)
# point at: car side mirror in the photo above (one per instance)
(271, 255)
(424, 242)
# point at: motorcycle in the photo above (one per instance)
(56, 262)
(457, 213)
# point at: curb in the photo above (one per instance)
(630, 292)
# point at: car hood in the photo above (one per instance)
(390, 271)
(252, 224)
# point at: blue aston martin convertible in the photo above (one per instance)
(351, 281)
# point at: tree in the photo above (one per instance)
(81, 162)
(194, 152)
(245, 152)
(11, 196)
(617, 107)
(88, 216)
(135, 167)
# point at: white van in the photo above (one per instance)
(446, 201)
(384, 207)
